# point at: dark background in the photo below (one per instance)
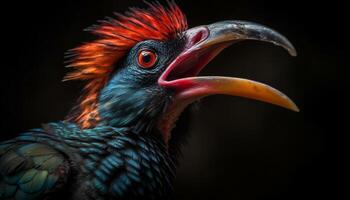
(239, 149)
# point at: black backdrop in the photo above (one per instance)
(239, 149)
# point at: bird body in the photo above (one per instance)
(140, 74)
(63, 161)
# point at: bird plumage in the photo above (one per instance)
(141, 74)
(104, 150)
(61, 160)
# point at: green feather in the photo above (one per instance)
(51, 181)
(36, 184)
(52, 163)
(36, 150)
(13, 179)
(28, 176)
(11, 162)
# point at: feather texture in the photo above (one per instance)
(100, 163)
(94, 61)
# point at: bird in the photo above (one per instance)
(140, 74)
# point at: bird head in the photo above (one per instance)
(142, 71)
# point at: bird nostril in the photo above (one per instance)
(197, 36)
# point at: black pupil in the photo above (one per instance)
(146, 57)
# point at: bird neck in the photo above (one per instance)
(128, 106)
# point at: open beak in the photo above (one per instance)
(203, 43)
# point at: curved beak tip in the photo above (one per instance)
(292, 106)
(291, 49)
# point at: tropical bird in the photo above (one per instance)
(140, 74)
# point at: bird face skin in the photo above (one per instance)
(159, 79)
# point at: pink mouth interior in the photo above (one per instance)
(191, 61)
(189, 67)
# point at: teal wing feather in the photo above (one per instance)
(30, 170)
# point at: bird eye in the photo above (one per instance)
(147, 58)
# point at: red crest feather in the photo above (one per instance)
(94, 61)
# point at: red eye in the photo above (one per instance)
(146, 58)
